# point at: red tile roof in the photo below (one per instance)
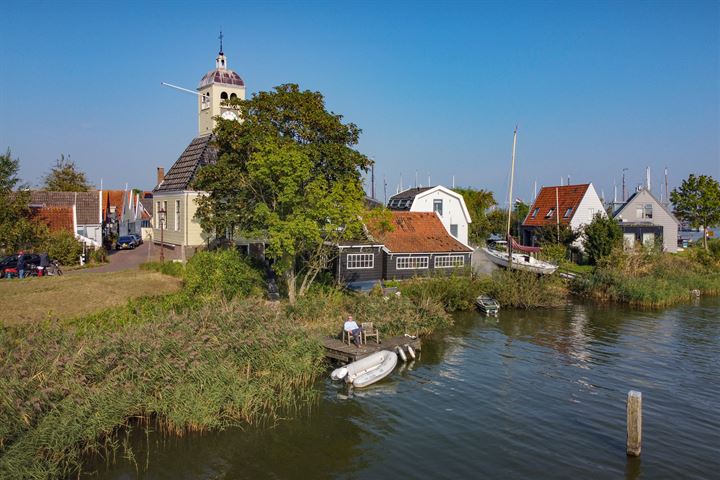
(56, 218)
(418, 232)
(568, 196)
(115, 200)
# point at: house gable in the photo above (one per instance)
(633, 214)
(589, 205)
(563, 201)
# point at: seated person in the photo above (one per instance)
(353, 329)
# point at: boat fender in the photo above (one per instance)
(339, 373)
(401, 354)
(410, 351)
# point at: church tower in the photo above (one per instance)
(215, 87)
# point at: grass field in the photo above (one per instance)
(70, 296)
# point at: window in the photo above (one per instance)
(164, 215)
(568, 212)
(454, 230)
(550, 213)
(232, 95)
(535, 212)
(437, 206)
(648, 240)
(629, 240)
(177, 215)
(157, 215)
(648, 210)
(394, 203)
(223, 96)
(357, 261)
(450, 261)
(411, 263)
(205, 101)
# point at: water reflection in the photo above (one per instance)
(536, 394)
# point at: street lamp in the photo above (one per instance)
(161, 213)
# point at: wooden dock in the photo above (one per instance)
(339, 351)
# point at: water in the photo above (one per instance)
(532, 395)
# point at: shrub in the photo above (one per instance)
(174, 269)
(554, 253)
(519, 289)
(602, 235)
(454, 292)
(63, 247)
(223, 272)
(99, 255)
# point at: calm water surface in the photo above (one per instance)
(532, 395)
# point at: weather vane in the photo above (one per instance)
(221, 38)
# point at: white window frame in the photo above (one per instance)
(438, 202)
(449, 261)
(412, 263)
(456, 228)
(550, 212)
(360, 261)
(177, 215)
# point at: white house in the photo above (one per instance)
(572, 205)
(644, 219)
(449, 206)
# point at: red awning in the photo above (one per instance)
(522, 248)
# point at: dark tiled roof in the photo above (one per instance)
(568, 196)
(200, 152)
(404, 200)
(88, 203)
(419, 232)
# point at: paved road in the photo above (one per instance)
(127, 259)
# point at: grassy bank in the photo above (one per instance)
(646, 279)
(35, 299)
(205, 358)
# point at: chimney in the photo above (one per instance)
(160, 175)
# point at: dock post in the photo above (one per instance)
(634, 423)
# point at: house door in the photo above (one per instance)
(629, 240)
(648, 240)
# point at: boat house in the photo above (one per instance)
(418, 245)
(572, 205)
(645, 220)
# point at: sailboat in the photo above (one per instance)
(522, 260)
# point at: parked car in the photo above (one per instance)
(138, 238)
(32, 260)
(126, 242)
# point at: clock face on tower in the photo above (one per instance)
(229, 115)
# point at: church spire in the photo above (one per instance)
(221, 61)
(221, 39)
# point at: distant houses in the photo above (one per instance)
(571, 205)
(84, 208)
(644, 220)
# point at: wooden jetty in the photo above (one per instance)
(335, 349)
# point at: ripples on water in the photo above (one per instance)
(529, 395)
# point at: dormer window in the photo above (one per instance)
(550, 213)
(568, 212)
(534, 213)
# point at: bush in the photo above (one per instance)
(554, 253)
(602, 235)
(454, 292)
(99, 255)
(519, 289)
(63, 247)
(174, 269)
(223, 272)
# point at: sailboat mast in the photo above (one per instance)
(512, 178)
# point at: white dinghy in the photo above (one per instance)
(368, 370)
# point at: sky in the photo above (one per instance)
(436, 87)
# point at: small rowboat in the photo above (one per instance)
(368, 370)
(487, 305)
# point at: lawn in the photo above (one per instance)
(69, 296)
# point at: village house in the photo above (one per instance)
(85, 208)
(572, 205)
(449, 206)
(175, 201)
(418, 245)
(644, 220)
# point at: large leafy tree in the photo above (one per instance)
(65, 177)
(602, 235)
(697, 201)
(478, 202)
(288, 173)
(16, 228)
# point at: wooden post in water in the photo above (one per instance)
(634, 423)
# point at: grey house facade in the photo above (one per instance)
(644, 220)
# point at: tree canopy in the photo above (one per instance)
(287, 174)
(65, 177)
(478, 202)
(602, 235)
(697, 201)
(16, 229)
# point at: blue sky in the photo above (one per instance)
(436, 87)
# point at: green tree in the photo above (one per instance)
(697, 201)
(602, 235)
(16, 228)
(548, 235)
(478, 202)
(65, 177)
(287, 174)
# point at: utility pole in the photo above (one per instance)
(667, 192)
(372, 176)
(385, 189)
